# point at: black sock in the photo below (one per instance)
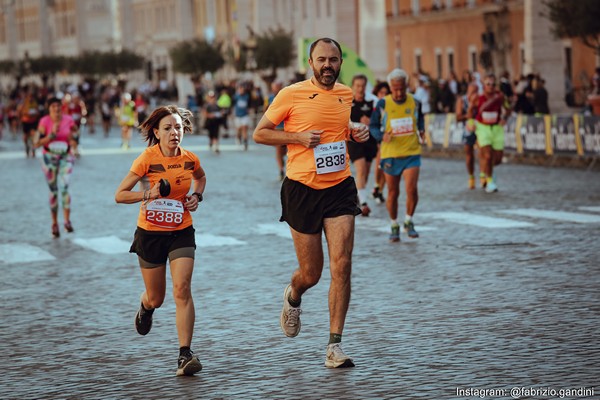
(183, 350)
(294, 303)
(335, 338)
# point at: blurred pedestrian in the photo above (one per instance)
(468, 126)
(164, 226)
(280, 150)
(212, 115)
(491, 113)
(380, 90)
(241, 113)
(361, 154)
(318, 193)
(594, 97)
(29, 115)
(397, 123)
(128, 118)
(540, 97)
(57, 134)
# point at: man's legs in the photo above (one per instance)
(393, 184)
(339, 232)
(362, 167)
(411, 179)
(309, 252)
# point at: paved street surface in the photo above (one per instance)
(499, 291)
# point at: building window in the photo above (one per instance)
(450, 53)
(569, 63)
(473, 58)
(438, 64)
(328, 5)
(318, 8)
(418, 64)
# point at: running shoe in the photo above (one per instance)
(482, 180)
(491, 187)
(336, 358)
(69, 227)
(378, 196)
(409, 228)
(55, 231)
(143, 320)
(188, 364)
(395, 235)
(365, 210)
(290, 316)
(471, 182)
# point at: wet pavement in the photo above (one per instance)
(500, 291)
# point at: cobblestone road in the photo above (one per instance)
(500, 290)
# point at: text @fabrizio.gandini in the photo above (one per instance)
(519, 392)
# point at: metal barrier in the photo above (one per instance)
(550, 134)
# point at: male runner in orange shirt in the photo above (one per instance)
(318, 192)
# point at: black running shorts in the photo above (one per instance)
(155, 247)
(304, 208)
(366, 150)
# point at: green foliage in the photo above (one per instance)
(91, 63)
(7, 67)
(274, 49)
(196, 57)
(48, 64)
(576, 19)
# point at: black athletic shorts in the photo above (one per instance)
(155, 247)
(366, 150)
(304, 208)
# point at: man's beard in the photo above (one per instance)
(326, 80)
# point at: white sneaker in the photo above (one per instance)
(336, 358)
(491, 187)
(290, 316)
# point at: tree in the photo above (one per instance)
(274, 49)
(576, 19)
(196, 57)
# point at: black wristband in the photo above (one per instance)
(198, 196)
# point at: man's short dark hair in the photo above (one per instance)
(357, 77)
(326, 40)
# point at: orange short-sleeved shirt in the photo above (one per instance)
(304, 106)
(178, 170)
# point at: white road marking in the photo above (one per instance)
(590, 208)
(22, 253)
(555, 215)
(477, 220)
(383, 225)
(105, 244)
(209, 240)
(278, 229)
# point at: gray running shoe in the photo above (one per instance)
(409, 228)
(290, 316)
(188, 364)
(395, 235)
(336, 358)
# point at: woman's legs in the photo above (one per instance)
(185, 315)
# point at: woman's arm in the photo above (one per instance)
(126, 196)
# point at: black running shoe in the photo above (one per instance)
(188, 364)
(143, 320)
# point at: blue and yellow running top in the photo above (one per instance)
(403, 120)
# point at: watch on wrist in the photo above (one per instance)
(199, 196)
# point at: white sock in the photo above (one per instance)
(408, 218)
(362, 196)
(394, 222)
